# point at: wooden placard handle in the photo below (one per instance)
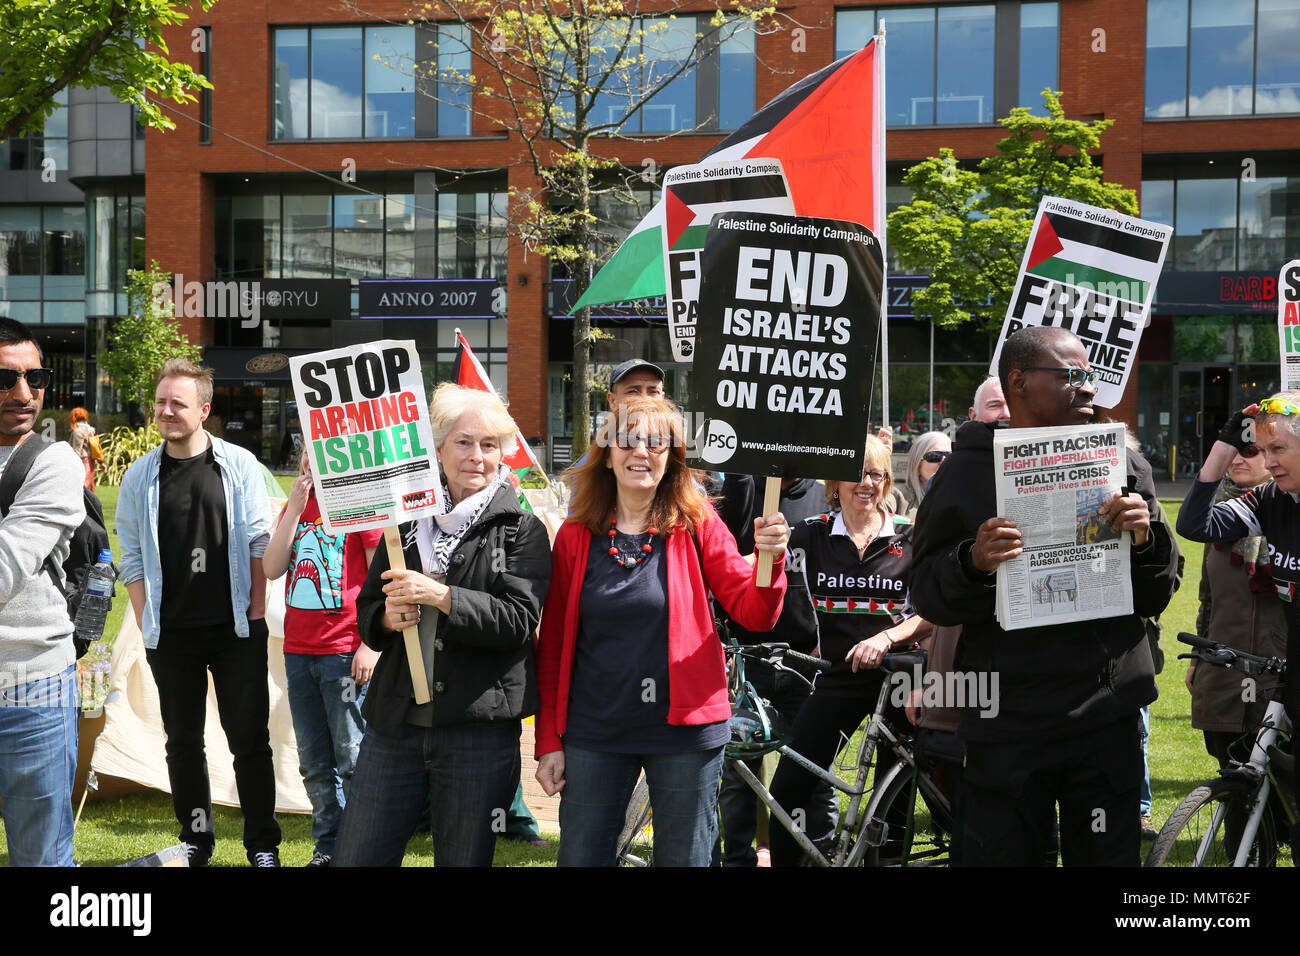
(410, 635)
(771, 502)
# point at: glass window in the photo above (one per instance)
(454, 97)
(390, 81)
(290, 121)
(909, 69)
(254, 238)
(853, 28)
(65, 252)
(308, 252)
(612, 44)
(399, 236)
(736, 79)
(1222, 48)
(665, 45)
(1277, 70)
(1269, 215)
(1040, 44)
(336, 59)
(965, 59)
(20, 252)
(358, 236)
(1158, 201)
(1166, 64)
(1205, 224)
(100, 213)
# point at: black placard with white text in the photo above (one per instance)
(789, 317)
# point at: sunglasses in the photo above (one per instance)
(1278, 406)
(1249, 452)
(1079, 377)
(37, 378)
(653, 443)
(934, 457)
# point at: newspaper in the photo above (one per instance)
(1075, 566)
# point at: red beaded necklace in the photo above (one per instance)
(630, 561)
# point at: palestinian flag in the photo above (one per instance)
(861, 605)
(826, 134)
(689, 205)
(469, 373)
(1077, 251)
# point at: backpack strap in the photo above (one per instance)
(15, 474)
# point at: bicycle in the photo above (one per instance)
(1230, 821)
(885, 832)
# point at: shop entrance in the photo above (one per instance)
(1203, 394)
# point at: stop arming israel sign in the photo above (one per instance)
(366, 425)
(1288, 323)
(785, 346)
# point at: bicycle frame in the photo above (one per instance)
(1260, 768)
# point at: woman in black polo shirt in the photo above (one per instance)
(854, 565)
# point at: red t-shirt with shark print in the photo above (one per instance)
(325, 575)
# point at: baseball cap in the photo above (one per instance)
(634, 365)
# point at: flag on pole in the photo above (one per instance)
(469, 373)
(826, 132)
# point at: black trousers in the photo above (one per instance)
(1011, 792)
(738, 804)
(180, 665)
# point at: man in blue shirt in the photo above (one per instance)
(193, 519)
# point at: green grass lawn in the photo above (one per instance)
(112, 831)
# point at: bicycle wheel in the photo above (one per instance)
(636, 842)
(908, 825)
(1209, 821)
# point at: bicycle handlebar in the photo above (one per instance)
(1221, 655)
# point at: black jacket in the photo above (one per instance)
(1051, 680)
(483, 667)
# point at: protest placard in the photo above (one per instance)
(785, 347)
(692, 195)
(1075, 566)
(1288, 323)
(1092, 271)
(366, 424)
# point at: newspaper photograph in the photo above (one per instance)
(1074, 566)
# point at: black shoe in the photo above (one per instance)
(197, 855)
(264, 858)
(319, 860)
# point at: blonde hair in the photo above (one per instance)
(183, 368)
(451, 401)
(878, 454)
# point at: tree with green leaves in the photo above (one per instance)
(140, 343)
(563, 79)
(50, 45)
(967, 228)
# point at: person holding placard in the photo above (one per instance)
(856, 574)
(630, 667)
(474, 582)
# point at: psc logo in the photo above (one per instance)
(417, 499)
(718, 443)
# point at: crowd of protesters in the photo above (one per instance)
(610, 636)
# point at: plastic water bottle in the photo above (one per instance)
(98, 598)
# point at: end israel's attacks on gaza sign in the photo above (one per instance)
(1092, 271)
(1288, 324)
(785, 346)
(366, 425)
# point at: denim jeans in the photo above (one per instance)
(465, 773)
(180, 665)
(39, 722)
(1145, 805)
(597, 787)
(326, 706)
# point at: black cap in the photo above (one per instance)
(634, 365)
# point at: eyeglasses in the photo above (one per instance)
(1079, 377)
(1279, 406)
(655, 444)
(37, 378)
(875, 477)
(934, 457)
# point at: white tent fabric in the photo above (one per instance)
(132, 743)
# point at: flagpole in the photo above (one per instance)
(880, 222)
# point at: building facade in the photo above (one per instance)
(331, 167)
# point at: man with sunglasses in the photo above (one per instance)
(39, 709)
(1066, 730)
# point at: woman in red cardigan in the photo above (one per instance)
(629, 666)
